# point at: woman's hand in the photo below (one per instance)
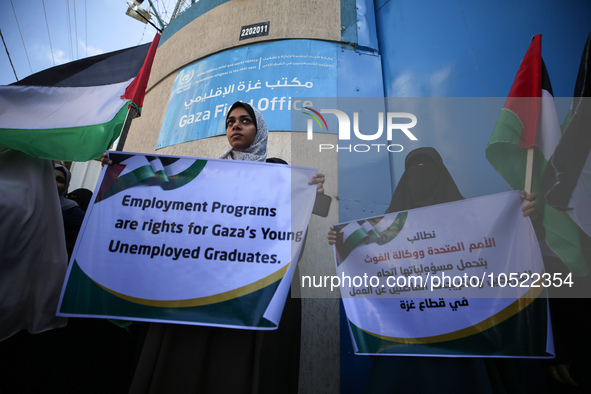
(318, 180)
(530, 205)
(332, 236)
(105, 159)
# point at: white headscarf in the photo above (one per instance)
(257, 151)
(66, 203)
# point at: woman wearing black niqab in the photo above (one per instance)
(426, 181)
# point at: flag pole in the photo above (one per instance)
(137, 90)
(529, 169)
(131, 112)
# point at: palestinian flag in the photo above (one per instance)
(75, 111)
(529, 120)
(566, 183)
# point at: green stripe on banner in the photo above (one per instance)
(351, 242)
(159, 178)
(374, 233)
(394, 229)
(87, 297)
(129, 180)
(68, 144)
(186, 176)
(385, 236)
(146, 175)
(522, 335)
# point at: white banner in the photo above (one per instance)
(209, 242)
(413, 282)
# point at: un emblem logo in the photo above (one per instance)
(186, 77)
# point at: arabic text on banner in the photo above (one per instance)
(457, 279)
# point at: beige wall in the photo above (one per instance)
(215, 31)
(219, 30)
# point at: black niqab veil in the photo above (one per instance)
(426, 181)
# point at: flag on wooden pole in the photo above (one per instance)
(528, 121)
(75, 111)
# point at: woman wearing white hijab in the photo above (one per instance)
(195, 359)
(247, 133)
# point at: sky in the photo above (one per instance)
(94, 27)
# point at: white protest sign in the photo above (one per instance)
(190, 240)
(414, 282)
